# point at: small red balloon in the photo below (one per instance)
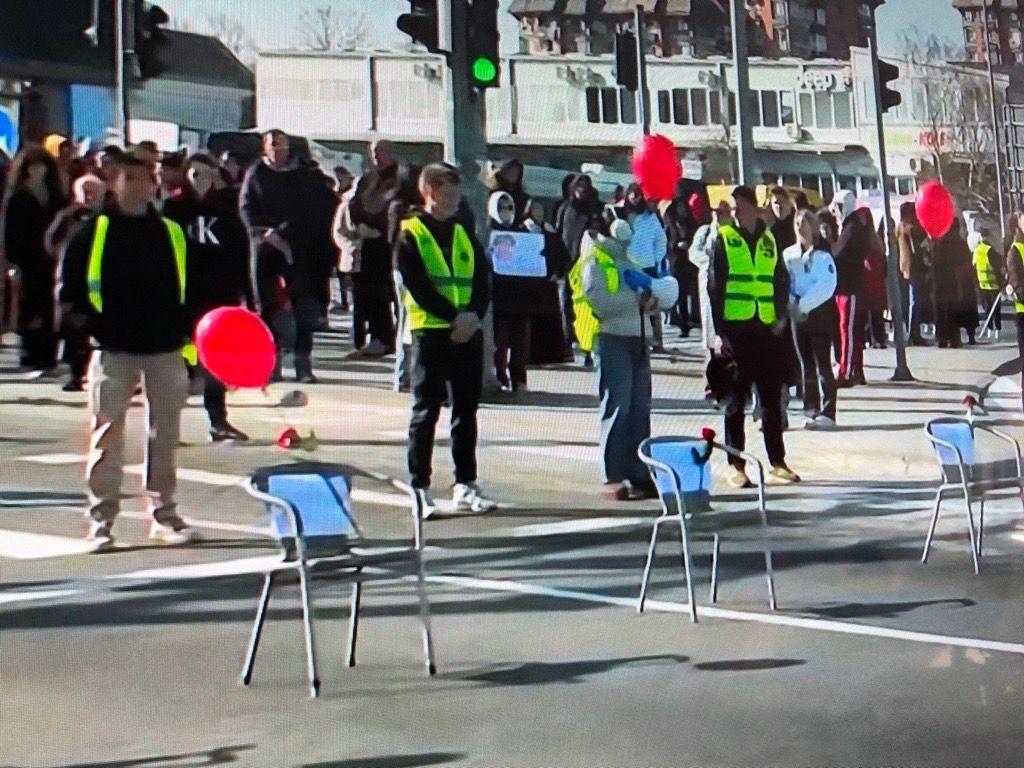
(656, 167)
(935, 210)
(236, 346)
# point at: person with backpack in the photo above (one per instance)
(612, 300)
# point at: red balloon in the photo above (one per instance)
(236, 346)
(935, 209)
(656, 167)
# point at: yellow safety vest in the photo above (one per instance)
(95, 269)
(988, 280)
(750, 288)
(587, 324)
(455, 284)
(1017, 303)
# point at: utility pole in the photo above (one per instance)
(641, 68)
(468, 148)
(740, 64)
(995, 125)
(902, 370)
(120, 91)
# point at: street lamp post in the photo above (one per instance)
(995, 124)
(740, 63)
(902, 370)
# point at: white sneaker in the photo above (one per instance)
(174, 530)
(467, 498)
(425, 504)
(820, 423)
(100, 536)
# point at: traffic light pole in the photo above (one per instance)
(740, 64)
(995, 127)
(120, 91)
(644, 97)
(902, 370)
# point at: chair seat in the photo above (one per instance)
(987, 475)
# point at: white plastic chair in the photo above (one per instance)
(310, 505)
(955, 447)
(681, 471)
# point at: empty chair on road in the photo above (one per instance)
(311, 511)
(681, 470)
(954, 440)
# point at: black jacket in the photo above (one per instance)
(418, 283)
(718, 276)
(142, 310)
(220, 244)
(532, 295)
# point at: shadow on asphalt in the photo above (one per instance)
(883, 610)
(391, 761)
(747, 665)
(541, 673)
(216, 756)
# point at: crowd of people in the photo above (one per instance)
(124, 250)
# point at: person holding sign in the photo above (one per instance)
(446, 293)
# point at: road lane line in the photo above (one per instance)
(580, 526)
(18, 545)
(24, 597)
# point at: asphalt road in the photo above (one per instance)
(131, 658)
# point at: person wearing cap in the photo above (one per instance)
(748, 284)
(445, 280)
(127, 272)
(613, 299)
(989, 267)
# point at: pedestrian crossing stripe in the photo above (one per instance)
(18, 545)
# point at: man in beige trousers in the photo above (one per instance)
(125, 276)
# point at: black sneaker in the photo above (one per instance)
(73, 385)
(221, 432)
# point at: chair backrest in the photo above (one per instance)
(956, 432)
(680, 465)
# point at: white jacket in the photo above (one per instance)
(812, 277)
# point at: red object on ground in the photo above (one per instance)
(288, 437)
(707, 433)
(656, 167)
(236, 346)
(935, 209)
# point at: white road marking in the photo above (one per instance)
(580, 526)
(55, 458)
(776, 619)
(19, 545)
(242, 566)
(24, 597)
(566, 453)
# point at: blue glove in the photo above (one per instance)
(637, 280)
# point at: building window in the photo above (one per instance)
(826, 109)
(680, 106)
(769, 109)
(610, 106)
(843, 104)
(823, 110)
(689, 106)
(699, 105)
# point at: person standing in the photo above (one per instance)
(680, 228)
(508, 177)
(916, 270)
(289, 204)
(127, 273)
(31, 201)
(207, 210)
(812, 288)
(88, 197)
(749, 288)
(1015, 282)
(613, 301)
(577, 216)
(446, 286)
(956, 300)
(701, 250)
(782, 208)
(849, 255)
(991, 275)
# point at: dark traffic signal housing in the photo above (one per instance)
(887, 72)
(421, 23)
(627, 61)
(483, 42)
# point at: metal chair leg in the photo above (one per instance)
(769, 567)
(649, 564)
(428, 641)
(970, 530)
(307, 625)
(931, 528)
(257, 629)
(686, 567)
(981, 523)
(353, 621)
(714, 569)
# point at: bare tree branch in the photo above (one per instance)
(333, 26)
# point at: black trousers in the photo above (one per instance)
(988, 300)
(372, 296)
(819, 382)
(215, 400)
(759, 356)
(512, 348)
(77, 350)
(1020, 346)
(439, 368)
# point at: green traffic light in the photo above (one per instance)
(484, 70)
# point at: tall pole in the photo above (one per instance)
(740, 64)
(902, 370)
(120, 92)
(995, 126)
(641, 68)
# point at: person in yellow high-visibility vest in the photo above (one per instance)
(126, 272)
(445, 281)
(988, 265)
(1015, 282)
(749, 288)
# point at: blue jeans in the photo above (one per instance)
(624, 386)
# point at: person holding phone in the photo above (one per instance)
(445, 277)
